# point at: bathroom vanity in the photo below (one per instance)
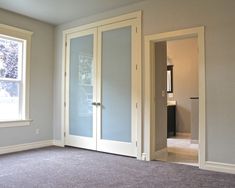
(171, 119)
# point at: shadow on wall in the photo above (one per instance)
(183, 116)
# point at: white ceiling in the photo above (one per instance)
(61, 11)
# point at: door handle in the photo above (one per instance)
(96, 104)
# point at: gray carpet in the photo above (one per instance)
(69, 167)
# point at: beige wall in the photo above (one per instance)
(41, 82)
(183, 55)
(218, 17)
(160, 103)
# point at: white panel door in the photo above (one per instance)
(117, 120)
(81, 89)
(101, 100)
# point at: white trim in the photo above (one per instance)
(116, 19)
(143, 156)
(138, 61)
(17, 33)
(219, 167)
(58, 143)
(148, 116)
(16, 29)
(27, 146)
(15, 123)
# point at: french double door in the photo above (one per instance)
(101, 90)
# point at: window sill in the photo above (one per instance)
(15, 123)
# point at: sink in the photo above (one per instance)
(171, 103)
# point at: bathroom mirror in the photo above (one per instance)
(169, 78)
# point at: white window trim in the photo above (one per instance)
(15, 123)
(24, 35)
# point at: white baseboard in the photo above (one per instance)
(161, 154)
(183, 134)
(144, 156)
(27, 146)
(219, 167)
(58, 143)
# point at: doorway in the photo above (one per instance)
(101, 84)
(151, 122)
(182, 101)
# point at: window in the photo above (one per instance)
(14, 76)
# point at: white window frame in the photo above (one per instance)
(25, 36)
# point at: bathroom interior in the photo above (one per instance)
(182, 113)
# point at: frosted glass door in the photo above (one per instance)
(116, 85)
(100, 89)
(81, 90)
(116, 65)
(81, 86)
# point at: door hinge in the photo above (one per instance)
(64, 104)
(136, 144)
(65, 44)
(136, 105)
(136, 30)
(64, 134)
(65, 74)
(136, 66)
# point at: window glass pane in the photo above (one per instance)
(10, 58)
(9, 100)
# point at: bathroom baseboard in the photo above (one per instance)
(183, 134)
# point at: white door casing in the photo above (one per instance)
(96, 143)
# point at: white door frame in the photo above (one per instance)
(149, 87)
(134, 15)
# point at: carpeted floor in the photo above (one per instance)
(70, 167)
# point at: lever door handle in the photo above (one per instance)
(94, 103)
(98, 104)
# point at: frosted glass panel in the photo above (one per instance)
(116, 85)
(81, 86)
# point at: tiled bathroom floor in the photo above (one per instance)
(180, 150)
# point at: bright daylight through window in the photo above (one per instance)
(14, 49)
(11, 82)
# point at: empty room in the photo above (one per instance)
(104, 93)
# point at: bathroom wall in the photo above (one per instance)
(183, 54)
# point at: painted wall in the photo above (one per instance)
(183, 55)
(41, 82)
(218, 17)
(161, 100)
